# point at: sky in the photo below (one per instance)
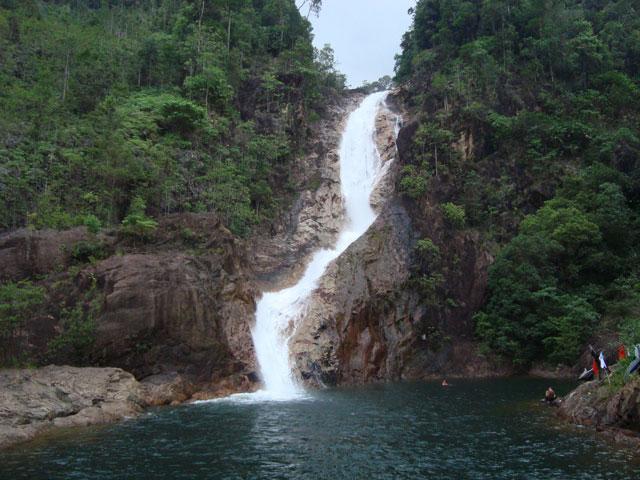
(365, 35)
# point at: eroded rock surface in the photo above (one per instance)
(33, 401)
(173, 311)
(602, 406)
(317, 214)
(341, 339)
(26, 253)
(371, 319)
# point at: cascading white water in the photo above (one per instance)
(278, 312)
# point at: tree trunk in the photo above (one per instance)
(65, 80)
(229, 32)
(199, 47)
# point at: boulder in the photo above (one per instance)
(166, 389)
(33, 401)
(599, 404)
(27, 253)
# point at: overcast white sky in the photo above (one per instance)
(365, 35)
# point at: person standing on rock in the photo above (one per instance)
(594, 362)
(603, 364)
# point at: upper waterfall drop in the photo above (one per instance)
(278, 313)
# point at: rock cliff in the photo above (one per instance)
(316, 215)
(173, 305)
(376, 315)
(176, 310)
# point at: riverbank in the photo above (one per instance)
(34, 402)
(611, 409)
(37, 401)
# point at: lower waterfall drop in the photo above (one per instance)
(278, 313)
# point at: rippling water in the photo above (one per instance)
(473, 430)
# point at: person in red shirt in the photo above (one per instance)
(622, 353)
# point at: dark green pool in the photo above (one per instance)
(475, 429)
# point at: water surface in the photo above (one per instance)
(473, 430)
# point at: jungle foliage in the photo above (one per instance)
(177, 105)
(528, 120)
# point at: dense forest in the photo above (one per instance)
(526, 115)
(116, 113)
(112, 110)
(528, 131)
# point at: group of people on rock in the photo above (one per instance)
(599, 368)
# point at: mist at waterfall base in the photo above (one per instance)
(277, 313)
(485, 429)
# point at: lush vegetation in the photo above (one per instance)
(114, 113)
(528, 131)
(19, 303)
(170, 105)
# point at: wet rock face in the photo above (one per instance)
(316, 216)
(350, 332)
(33, 401)
(367, 321)
(344, 336)
(601, 406)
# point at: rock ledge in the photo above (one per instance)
(610, 410)
(34, 401)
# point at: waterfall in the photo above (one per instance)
(278, 313)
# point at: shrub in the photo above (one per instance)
(427, 250)
(88, 252)
(412, 183)
(92, 223)
(137, 224)
(454, 214)
(78, 333)
(18, 302)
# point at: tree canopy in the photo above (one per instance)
(528, 118)
(188, 105)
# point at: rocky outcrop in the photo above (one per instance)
(316, 216)
(27, 253)
(341, 338)
(166, 312)
(169, 311)
(388, 122)
(604, 406)
(34, 401)
(181, 303)
(376, 315)
(366, 323)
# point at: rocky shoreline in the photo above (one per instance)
(33, 402)
(611, 410)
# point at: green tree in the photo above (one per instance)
(137, 224)
(19, 302)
